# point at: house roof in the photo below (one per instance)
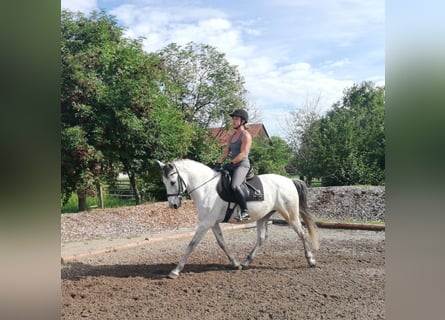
(255, 129)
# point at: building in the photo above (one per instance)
(256, 130)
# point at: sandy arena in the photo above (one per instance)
(348, 282)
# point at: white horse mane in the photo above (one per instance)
(192, 167)
(187, 163)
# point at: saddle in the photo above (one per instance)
(252, 189)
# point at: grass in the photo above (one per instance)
(109, 202)
(315, 182)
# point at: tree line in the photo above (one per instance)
(346, 146)
(122, 108)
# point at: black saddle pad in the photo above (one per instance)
(253, 187)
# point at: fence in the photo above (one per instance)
(120, 189)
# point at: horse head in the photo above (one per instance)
(174, 184)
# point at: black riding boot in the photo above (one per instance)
(240, 198)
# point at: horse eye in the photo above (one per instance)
(172, 183)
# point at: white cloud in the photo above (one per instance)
(268, 80)
(345, 10)
(290, 84)
(79, 5)
(323, 25)
(161, 26)
(312, 48)
(278, 90)
(216, 32)
(336, 64)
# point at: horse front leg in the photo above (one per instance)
(199, 234)
(220, 239)
(261, 237)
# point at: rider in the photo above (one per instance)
(238, 146)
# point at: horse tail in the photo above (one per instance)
(304, 212)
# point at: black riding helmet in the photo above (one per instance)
(240, 113)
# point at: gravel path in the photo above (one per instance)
(361, 204)
(126, 221)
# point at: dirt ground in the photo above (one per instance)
(348, 282)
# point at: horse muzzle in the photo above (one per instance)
(174, 206)
(175, 203)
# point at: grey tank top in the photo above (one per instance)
(235, 149)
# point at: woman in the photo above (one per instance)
(238, 147)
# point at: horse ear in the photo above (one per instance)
(162, 165)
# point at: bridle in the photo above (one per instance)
(182, 190)
(182, 186)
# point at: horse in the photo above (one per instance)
(281, 194)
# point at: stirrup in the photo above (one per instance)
(243, 216)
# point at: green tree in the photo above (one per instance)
(113, 90)
(202, 82)
(270, 156)
(338, 148)
(351, 138)
(80, 165)
(366, 102)
(205, 88)
(308, 159)
(301, 135)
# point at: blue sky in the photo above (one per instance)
(288, 51)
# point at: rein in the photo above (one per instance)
(202, 184)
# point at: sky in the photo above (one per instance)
(288, 51)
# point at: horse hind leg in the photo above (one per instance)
(220, 239)
(303, 236)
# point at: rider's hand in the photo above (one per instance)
(217, 166)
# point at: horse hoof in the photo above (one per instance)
(173, 275)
